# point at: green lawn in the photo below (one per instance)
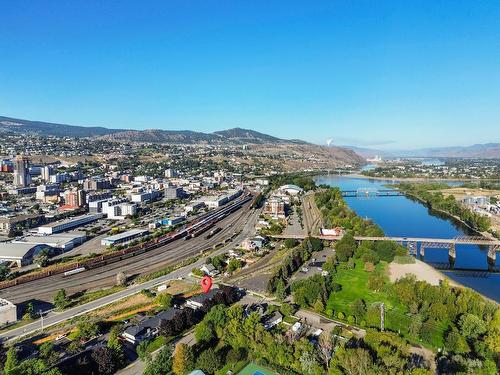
(354, 285)
(253, 369)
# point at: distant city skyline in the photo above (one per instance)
(385, 75)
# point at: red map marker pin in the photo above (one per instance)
(206, 283)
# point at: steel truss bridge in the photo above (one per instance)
(371, 192)
(415, 244)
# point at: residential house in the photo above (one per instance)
(273, 320)
(148, 327)
(197, 302)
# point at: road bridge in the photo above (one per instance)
(371, 192)
(413, 243)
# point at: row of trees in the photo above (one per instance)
(437, 201)
(41, 365)
(470, 325)
(336, 213)
(278, 281)
(466, 326)
(238, 336)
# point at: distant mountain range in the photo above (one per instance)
(236, 135)
(487, 151)
(47, 128)
(301, 155)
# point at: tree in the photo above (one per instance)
(87, 329)
(11, 362)
(290, 243)
(142, 350)
(456, 343)
(121, 279)
(376, 281)
(47, 353)
(471, 326)
(358, 308)
(183, 361)
(353, 362)
(280, 290)
(42, 258)
(103, 357)
(115, 345)
(318, 306)
(204, 332)
(208, 361)
(234, 264)
(344, 249)
(61, 299)
(29, 312)
(164, 300)
(162, 363)
(415, 326)
(4, 272)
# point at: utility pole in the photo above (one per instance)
(41, 317)
(382, 313)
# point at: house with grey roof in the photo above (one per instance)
(197, 302)
(149, 327)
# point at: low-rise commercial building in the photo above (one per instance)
(23, 253)
(118, 209)
(144, 196)
(65, 225)
(123, 238)
(291, 189)
(194, 206)
(63, 241)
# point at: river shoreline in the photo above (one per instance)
(393, 217)
(486, 235)
(408, 179)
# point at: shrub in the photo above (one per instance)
(405, 259)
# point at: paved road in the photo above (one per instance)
(54, 317)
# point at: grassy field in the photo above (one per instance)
(354, 285)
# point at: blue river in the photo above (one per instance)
(401, 216)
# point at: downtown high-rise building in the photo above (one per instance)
(22, 176)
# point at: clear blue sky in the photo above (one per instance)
(385, 74)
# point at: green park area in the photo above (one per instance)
(354, 284)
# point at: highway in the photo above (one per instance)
(244, 219)
(153, 260)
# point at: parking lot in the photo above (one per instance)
(313, 265)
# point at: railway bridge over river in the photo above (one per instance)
(371, 192)
(420, 244)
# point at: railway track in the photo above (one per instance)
(150, 261)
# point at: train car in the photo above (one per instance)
(213, 232)
(74, 271)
